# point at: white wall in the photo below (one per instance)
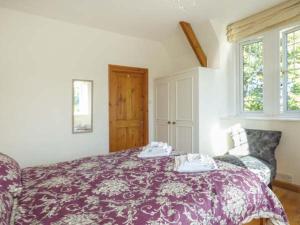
(181, 54)
(39, 57)
(212, 139)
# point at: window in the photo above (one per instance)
(269, 75)
(290, 75)
(251, 71)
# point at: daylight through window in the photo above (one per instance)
(252, 75)
(290, 78)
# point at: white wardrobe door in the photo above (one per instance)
(162, 111)
(183, 113)
(184, 138)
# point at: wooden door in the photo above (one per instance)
(128, 107)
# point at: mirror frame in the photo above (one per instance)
(73, 107)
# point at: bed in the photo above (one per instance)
(123, 189)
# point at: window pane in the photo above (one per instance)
(297, 35)
(293, 70)
(293, 88)
(252, 66)
(290, 37)
(293, 56)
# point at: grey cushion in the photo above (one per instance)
(262, 144)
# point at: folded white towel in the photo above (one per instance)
(154, 144)
(194, 163)
(155, 150)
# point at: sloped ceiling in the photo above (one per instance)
(151, 19)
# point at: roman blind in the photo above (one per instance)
(279, 15)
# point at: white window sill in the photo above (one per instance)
(265, 118)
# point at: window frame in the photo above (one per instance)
(241, 76)
(284, 70)
(273, 108)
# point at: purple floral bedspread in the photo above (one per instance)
(123, 189)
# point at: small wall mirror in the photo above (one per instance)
(82, 106)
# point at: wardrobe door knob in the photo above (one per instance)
(169, 122)
(174, 123)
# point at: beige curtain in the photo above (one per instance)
(279, 15)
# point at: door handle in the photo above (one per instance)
(169, 122)
(174, 123)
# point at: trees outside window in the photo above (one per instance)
(252, 75)
(291, 70)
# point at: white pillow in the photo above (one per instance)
(240, 142)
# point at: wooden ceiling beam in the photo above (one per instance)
(191, 36)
